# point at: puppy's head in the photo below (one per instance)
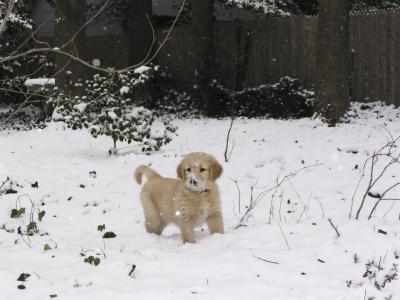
(198, 169)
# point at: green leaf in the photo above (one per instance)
(101, 227)
(46, 247)
(92, 260)
(89, 259)
(16, 213)
(109, 235)
(41, 215)
(23, 277)
(96, 261)
(32, 227)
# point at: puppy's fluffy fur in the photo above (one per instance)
(188, 202)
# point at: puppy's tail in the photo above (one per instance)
(150, 173)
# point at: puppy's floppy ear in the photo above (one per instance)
(215, 169)
(180, 172)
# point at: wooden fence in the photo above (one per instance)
(260, 51)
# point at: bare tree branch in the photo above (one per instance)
(59, 50)
(88, 22)
(10, 7)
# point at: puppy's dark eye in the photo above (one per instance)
(188, 169)
(202, 170)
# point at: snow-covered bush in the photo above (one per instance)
(108, 107)
(166, 98)
(268, 7)
(374, 4)
(287, 98)
(19, 28)
(300, 7)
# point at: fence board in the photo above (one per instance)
(277, 47)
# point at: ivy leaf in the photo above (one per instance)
(101, 227)
(31, 228)
(89, 259)
(10, 191)
(46, 247)
(35, 185)
(109, 235)
(23, 277)
(92, 260)
(41, 215)
(16, 213)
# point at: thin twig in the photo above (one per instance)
(227, 141)
(283, 233)
(334, 227)
(87, 23)
(266, 260)
(381, 198)
(322, 208)
(32, 36)
(4, 182)
(280, 207)
(239, 194)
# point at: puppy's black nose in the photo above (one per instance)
(193, 181)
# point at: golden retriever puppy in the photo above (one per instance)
(188, 202)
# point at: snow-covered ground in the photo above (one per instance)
(288, 252)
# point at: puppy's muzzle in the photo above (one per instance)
(193, 181)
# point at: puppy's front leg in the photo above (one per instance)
(187, 230)
(215, 223)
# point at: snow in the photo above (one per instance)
(81, 106)
(137, 111)
(124, 90)
(295, 256)
(112, 115)
(272, 7)
(141, 70)
(40, 81)
(96, 62)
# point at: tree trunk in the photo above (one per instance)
(333, 60)
(139, 30)
(204, 52)
(70, 17)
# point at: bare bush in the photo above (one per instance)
(254, 200)
(375, 173)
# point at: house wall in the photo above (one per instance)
(44, 16)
